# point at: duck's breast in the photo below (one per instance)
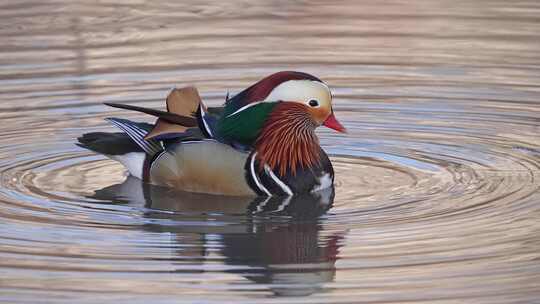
(205, 166)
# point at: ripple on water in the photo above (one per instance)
(437, 191)
(409, 204)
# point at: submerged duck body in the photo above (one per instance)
(261, 142)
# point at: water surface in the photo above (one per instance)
(437, 183)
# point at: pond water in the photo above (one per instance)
(437, 194)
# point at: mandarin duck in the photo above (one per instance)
(262, 142)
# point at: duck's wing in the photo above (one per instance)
(131, 140)
(186, 115)
(186, 118)
(137, 133)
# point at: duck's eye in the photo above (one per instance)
(313, 103)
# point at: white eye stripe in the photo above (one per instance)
(301, 91)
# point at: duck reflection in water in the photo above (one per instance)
(279, 242)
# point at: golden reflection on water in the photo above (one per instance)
(437, 191)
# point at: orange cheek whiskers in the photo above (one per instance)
(288, 141)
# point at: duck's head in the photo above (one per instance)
(294, 87)
(277, 116)
(310, 92)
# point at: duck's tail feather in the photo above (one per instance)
(186, 121)
(117, 146)
(137, 132)
(108, 143)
